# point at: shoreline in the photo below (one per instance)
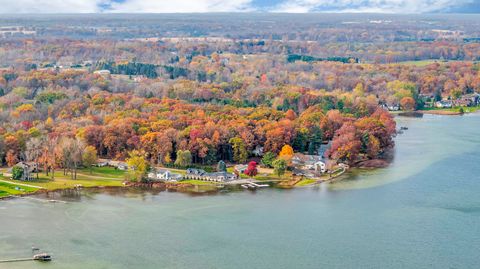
(199, 189)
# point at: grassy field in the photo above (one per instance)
(305, 182)
(196, 182)
(7, 189)
(98, 176)
(422, 63)
(453, 109)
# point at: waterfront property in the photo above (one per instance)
(199, 174)
(444, 104)
(27, 170)
(309, 162)
(240, 168)
(164, 175)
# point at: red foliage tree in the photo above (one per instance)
(251, 169)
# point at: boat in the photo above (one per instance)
(43, 257)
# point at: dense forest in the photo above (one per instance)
(220, 98)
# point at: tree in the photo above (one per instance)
(11, 158)
(251, 169)
(69, 152)
(240, 153)
(34, 151)
(346, 144)
(279, 167)
(139, 165)
(407, 103)
(17, 173)
(184, 158)
(286, 153)
(315, 140)
(221, 166)
(290, 114)
(89, 157)
(268, 159)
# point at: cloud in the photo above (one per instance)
(369, 6)
(50, 6)
(187, 6)
(126, 6)
(181, 6)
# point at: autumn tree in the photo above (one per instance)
(11, 158)
(240, 153)
(184, 158)
(407, 103)
(251, 169)
(268, 159)
(286, 153)
(279, 167)
(138, 164)
(89, 157)
(346, 144)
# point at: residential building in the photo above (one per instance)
(309, 162)
(164, 175)
(28, 170)
(199, 174)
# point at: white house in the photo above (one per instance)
(164, 175)
(309, 162)
(444, 104)
(199, 174)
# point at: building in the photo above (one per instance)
(391, 107)
(28, 171)
(309, 162)
(103, 73)
(258, 151)
(164, 175)
(303, 173)
(444, 104)
(240, 168)
(199, 174)
(122, 166)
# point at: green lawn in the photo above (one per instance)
(197, 182)
(104, 172)
(305, 182)
(100, 176)
(7, 189)
(453, 109)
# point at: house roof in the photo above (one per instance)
(307, 158)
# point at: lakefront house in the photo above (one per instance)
(28, 169)
(199, 174)
(309, 162)
(164, 175)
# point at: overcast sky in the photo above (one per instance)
(296, 6)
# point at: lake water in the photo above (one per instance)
(421, 212)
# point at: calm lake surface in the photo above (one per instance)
(421, 212)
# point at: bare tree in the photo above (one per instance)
(69, 152)
(34, 151)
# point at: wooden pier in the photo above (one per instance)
(41, 257)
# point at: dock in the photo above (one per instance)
(253, 185)
(43, 257)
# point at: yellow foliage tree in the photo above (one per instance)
(286, 153)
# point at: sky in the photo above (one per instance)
(288, 6)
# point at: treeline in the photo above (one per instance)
(306, 58)
(144, 69)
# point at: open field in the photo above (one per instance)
(449, 111)
(98, 176)
(423, 63)
(7, 188)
